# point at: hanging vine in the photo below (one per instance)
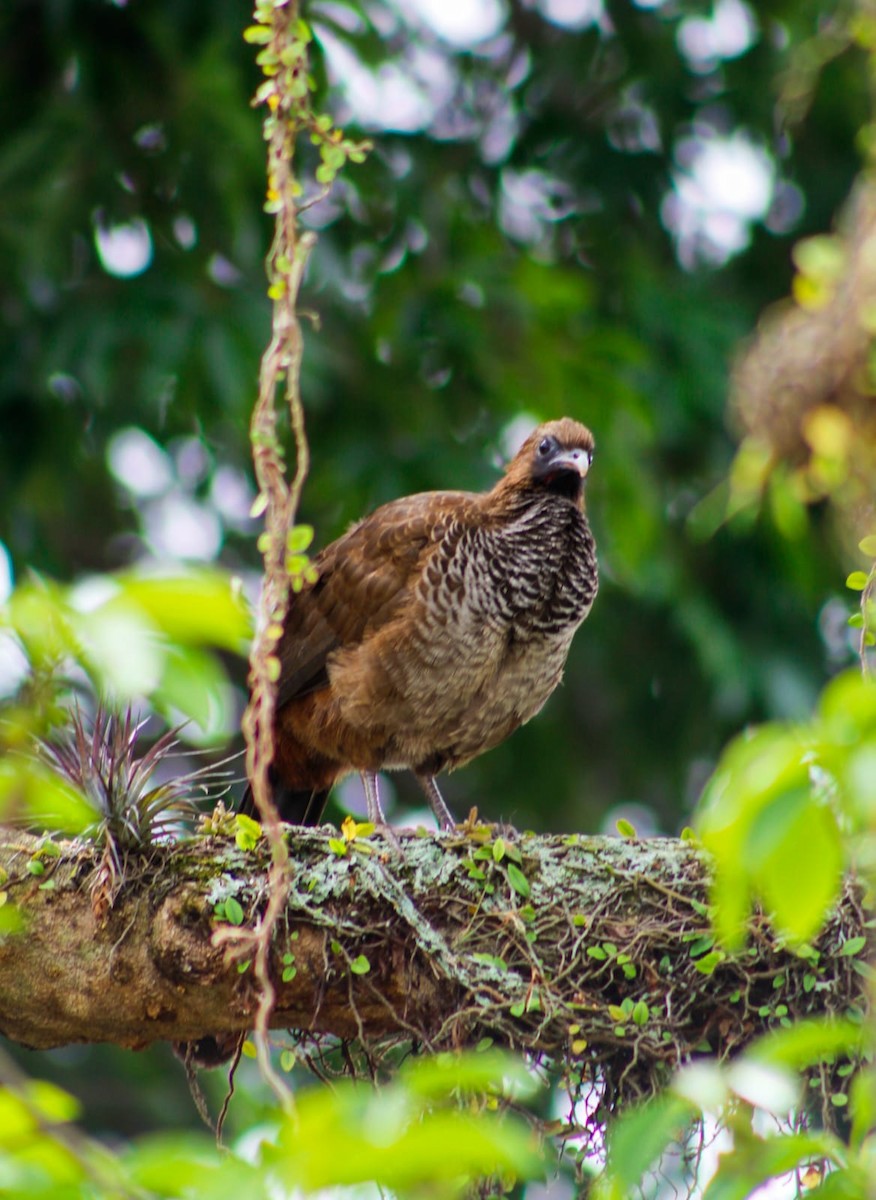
(282, 38)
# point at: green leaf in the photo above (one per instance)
(862, 1097)
(637, 1139)
(769, 835)
(625, 828)
(420, 1148)
(518, 881)
(360, 965)
(299, 538)
(496, 1071)
(200, 608)
(707, 964)
(233, 911)
(641, 1013)
(257, 35)
(867, 545)
(246, 832)
(51, 1102)
(799, 860)
(857, 581)
(701, 944)
(852, 946)
(194, 687)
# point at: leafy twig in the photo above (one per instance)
(865, 619)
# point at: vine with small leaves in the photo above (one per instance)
(282, 38)
(865, 619)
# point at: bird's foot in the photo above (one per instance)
(388, 833)
(436, 802)
(376, 815)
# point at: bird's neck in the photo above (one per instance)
(511, 495)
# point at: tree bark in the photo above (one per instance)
(563, 946)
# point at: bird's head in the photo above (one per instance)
(555, 458)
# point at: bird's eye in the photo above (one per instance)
(544, 446)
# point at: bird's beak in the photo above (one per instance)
(571, 460)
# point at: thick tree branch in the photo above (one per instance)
(433, 946)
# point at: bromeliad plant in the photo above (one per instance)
(133, 805)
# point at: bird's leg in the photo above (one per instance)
(436, 801)
(376, 815)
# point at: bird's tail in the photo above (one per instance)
(297, 806)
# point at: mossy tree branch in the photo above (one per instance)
(606, 961)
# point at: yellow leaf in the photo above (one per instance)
(348, 828)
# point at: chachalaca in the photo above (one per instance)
(436, 626)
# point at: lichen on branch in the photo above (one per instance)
(594, 955)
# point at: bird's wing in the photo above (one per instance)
(364, 579)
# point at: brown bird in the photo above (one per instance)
(437, 625)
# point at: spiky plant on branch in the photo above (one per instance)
(102, 758)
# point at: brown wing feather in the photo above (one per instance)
(364, 577)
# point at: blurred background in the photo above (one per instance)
(573, 207)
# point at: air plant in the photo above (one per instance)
(101, 759)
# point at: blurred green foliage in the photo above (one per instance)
(781, 804)
(414, 1136)
(125, 637)
(763, 1080)
(535, 233)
